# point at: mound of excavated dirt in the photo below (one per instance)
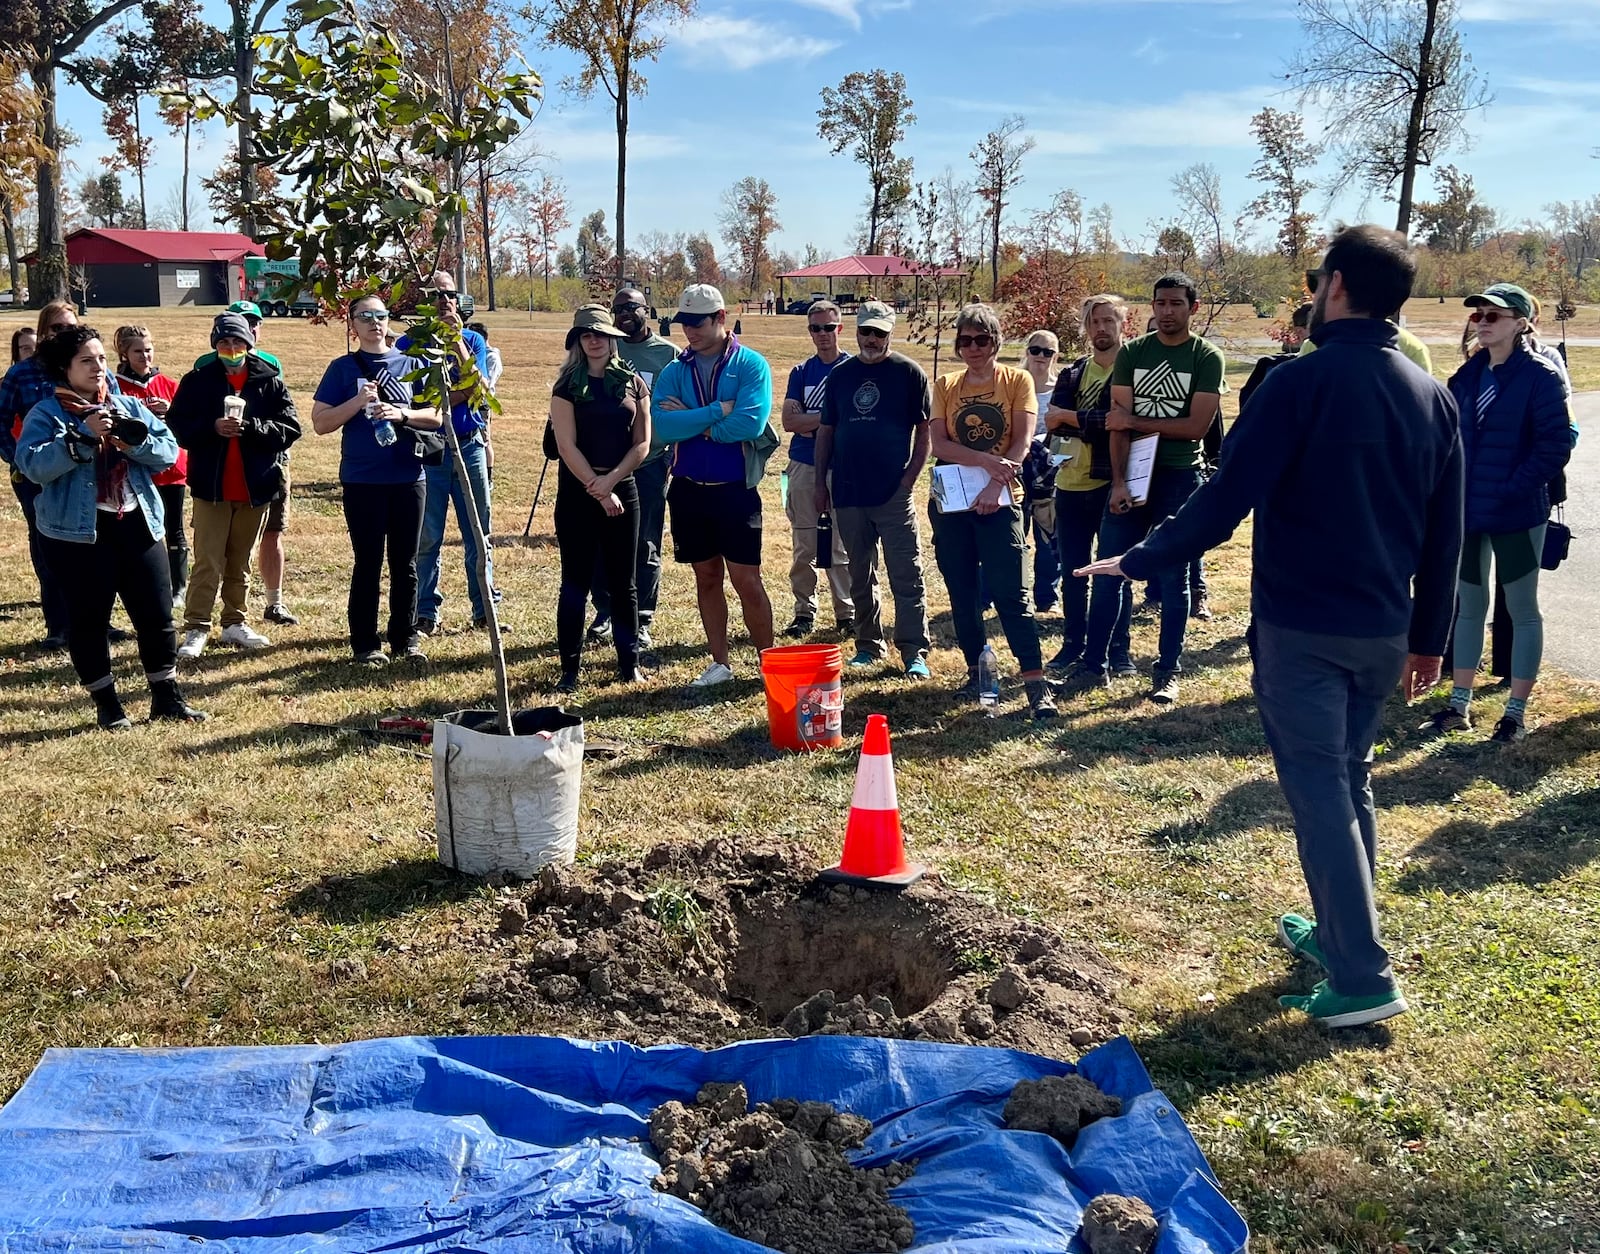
(777, 1175)
(709, 944)
(1061, 1105)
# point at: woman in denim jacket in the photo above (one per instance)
(101, 522)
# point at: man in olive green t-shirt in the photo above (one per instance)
(1167, 384)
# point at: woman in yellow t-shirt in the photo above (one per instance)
(983, 416)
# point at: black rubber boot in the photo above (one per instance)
(108, 709)
(166, 702)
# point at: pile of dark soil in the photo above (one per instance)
(1061, 1105)
(710, 944)
(777, 1175)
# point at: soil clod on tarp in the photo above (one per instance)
(777, 1175)
(1061, 1105)
(1113, 1224)
(708, 944)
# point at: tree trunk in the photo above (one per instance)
(994, 249)
(872, 219)
(488, 248)
(138, 141)
(9, 222)
(244, 73)
(50, 274)
(1419, 113)
(622, 176)
(183, 187)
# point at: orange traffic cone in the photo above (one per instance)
(874, 851)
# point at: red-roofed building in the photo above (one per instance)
(158, 268)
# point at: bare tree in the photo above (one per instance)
(960, 218)
(999, 161)
(1286, 156)
(1397, 85)
(1198, 193)
(545, 217)
(869, 113)
(1576, 227)
(613, 37)
(749, 217)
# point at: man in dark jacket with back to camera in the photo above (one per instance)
(1351, 459)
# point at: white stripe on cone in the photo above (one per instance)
(875, 783)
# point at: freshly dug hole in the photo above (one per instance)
(785, 955)
(708, 944)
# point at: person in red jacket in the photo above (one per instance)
(139, 376)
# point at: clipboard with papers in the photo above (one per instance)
(957, 489)
(1141, 464)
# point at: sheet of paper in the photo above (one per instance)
(1141, 462)
(959, 488)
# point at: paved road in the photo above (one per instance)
(1570, 597)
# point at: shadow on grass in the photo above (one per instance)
(1536, 848)
(1243, 1038)
(386, 893)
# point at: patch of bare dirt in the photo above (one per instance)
(709, 944)
(777, 1175)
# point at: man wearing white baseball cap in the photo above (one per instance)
(714, 402)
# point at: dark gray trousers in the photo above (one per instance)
(1321, 700)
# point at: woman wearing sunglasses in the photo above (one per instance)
(984, 416)
(364, 396)
(1515, 438)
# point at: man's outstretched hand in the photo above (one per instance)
(1105, 566)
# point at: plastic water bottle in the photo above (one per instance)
(383, 432)
(824, 541)
(988, 680)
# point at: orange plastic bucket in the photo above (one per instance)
(805, 703)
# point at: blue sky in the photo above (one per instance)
(1119, 96)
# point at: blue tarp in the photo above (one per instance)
(499, 1144)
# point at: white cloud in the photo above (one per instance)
(1203, 122)
(847, 11)
(743, 43)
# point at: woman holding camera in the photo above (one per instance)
(101, 522)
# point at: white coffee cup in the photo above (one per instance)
(233, 407)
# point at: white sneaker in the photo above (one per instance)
(240, 636)
(194, 642)
(713, 675)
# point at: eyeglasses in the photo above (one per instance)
(974, 341)
(872, 333)
(830, 329)
(1313, 277)
(694, 320)
(445, 294)
(59, 326)
(1039, 350)
(632, 306)
(1486, 316)
(372, 315)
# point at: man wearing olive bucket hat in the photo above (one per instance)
(600, 421)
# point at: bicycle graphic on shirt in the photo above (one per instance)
(980, 425)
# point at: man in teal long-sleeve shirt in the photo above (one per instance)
(714, 403)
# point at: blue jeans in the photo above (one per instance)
(1078, 518)
(443, 488)
(1170, 487)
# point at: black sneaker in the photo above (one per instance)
(1123, 669)
(644, 637)
(1163, 686)
(108, 710)
(412, 655)
(568, 683)
(117, 635)
(481, 623)
(426, 626)
(280, 614)
(969, 690)
(1064, 661)
(1448, 719)
(1201, 609)
(1040, 699)
(371, 657)
(847, 629)
(800, 628)
(1508, 732)
(599, 631)
(1080, 678)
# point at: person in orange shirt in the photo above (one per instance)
(237, 419)
(983, 416)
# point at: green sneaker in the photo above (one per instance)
(1299, 937)
(864, 659)
(1333, 1011)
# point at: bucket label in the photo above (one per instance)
(819, 712)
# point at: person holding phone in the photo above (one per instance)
(94, 457)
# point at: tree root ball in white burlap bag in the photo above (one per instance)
(507, 803)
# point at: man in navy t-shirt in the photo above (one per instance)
(802, 415)
(874, 438)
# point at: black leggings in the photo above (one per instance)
(52, 597)
(585, 535)
(125, 560)
(172, 495)
(380, 516)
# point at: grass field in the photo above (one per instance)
(198, 885)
